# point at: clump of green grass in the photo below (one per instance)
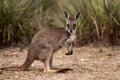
(110, 54)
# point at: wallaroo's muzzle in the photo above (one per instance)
(69, 52)
(71, 31)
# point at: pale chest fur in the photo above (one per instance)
(71, 38)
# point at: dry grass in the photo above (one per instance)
(87, 63)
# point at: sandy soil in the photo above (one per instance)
(87, 63)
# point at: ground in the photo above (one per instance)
(87, 63)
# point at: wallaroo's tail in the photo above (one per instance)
(12, 68)
(24, 67)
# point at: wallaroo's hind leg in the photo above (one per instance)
(27, 63)
(51, 61)
(47, 67)
(48, 64)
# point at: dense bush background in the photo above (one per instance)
(20, 19)
(100, 18)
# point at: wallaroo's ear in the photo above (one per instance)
(77, 15)
(66, 14)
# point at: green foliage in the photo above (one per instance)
(16, 17)
(14, 14)
(100, 17)
(101, 10)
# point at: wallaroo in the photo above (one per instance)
(47, 41)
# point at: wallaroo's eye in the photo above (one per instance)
(68, 26)
(74, 26)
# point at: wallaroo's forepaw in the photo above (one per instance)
(70, 52)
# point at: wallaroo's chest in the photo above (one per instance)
(71, 38)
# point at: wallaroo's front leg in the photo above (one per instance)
(69, 47)
(66, 44)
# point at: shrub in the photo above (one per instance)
(17, 17)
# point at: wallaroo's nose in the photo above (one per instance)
(71, 31)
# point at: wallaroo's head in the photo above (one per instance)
(71, 22)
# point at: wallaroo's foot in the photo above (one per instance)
(57, 70)
(51, 70)
(64, 70)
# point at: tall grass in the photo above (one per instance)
(17, 17)
(98, 17)
(15, 20)
(101, 17)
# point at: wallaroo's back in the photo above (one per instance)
(52, 35)
(47, 41)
